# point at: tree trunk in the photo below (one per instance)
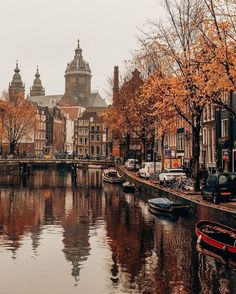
(196, 152)
(143, 149)
(127, 146)
(12, 147)
(162, 152)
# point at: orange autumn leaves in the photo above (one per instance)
(17, 121)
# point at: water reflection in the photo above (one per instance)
(83, 228)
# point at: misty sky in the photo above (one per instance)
(45, 33)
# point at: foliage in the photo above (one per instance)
(18, 121)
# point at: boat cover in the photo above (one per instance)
(164, 203)
(128, 184)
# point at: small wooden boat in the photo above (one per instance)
(128, 187)
(217, 236)
(164, 204)
(111, 176)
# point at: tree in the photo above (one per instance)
(181, 82)
(131, 114)
(18, 121)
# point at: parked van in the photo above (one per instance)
(149, 168)
(132, 164)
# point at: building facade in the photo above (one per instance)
(90, 136)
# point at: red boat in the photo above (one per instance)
(216, 235)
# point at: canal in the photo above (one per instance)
(61, 234)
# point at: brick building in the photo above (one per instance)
(90, 136)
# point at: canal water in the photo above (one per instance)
(61, 234)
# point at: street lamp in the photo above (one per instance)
(204, 162)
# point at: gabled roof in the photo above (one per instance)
(95, 100)
(73, 111)
(48, 100)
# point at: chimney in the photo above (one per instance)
(116, 84)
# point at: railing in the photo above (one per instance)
(25, 160)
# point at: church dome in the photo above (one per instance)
(37, 88)
(16, 80)
(78, 65)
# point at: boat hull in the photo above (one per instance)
(217, 236)
(165, 205)
(113, 180)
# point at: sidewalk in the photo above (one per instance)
(191, 197)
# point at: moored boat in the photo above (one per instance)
(111, 176)
(217, 236)
(165, 205)
(128, 187)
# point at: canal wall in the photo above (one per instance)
(9, 169)
(197, 207)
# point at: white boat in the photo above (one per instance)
(111, 176)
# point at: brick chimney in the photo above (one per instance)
(115, 84)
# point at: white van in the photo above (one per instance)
(132, 164)
(148, 168)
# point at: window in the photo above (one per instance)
(225, 97)
(180, 141)
(81, 81)
(209, 146)
(92, 129)
(212, 181)
(212, 111)
(85, 141)
(213, 145)
(80, 122)
(92, 138)
(204, 114)
(86, 131)
(208, 112)
(92, 150)
(98, 138)
(86, 123)
(81, 132)
(224, 128)
(204, 136)
(98, 128)
(80, 141)
(91, 119)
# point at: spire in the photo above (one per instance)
(37, 75)
(78, 50)
(37, 88)
(17, 68)
(16, 86)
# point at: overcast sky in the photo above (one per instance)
(45, 33)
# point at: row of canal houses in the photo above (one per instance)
(217, 139)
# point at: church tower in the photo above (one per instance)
(16, 88)
(77, 80)
(37, 88)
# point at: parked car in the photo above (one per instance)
(170, 173)
(132, 164)
(220, 187)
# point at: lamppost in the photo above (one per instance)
(204, 162)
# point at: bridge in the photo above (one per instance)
(24, 164)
